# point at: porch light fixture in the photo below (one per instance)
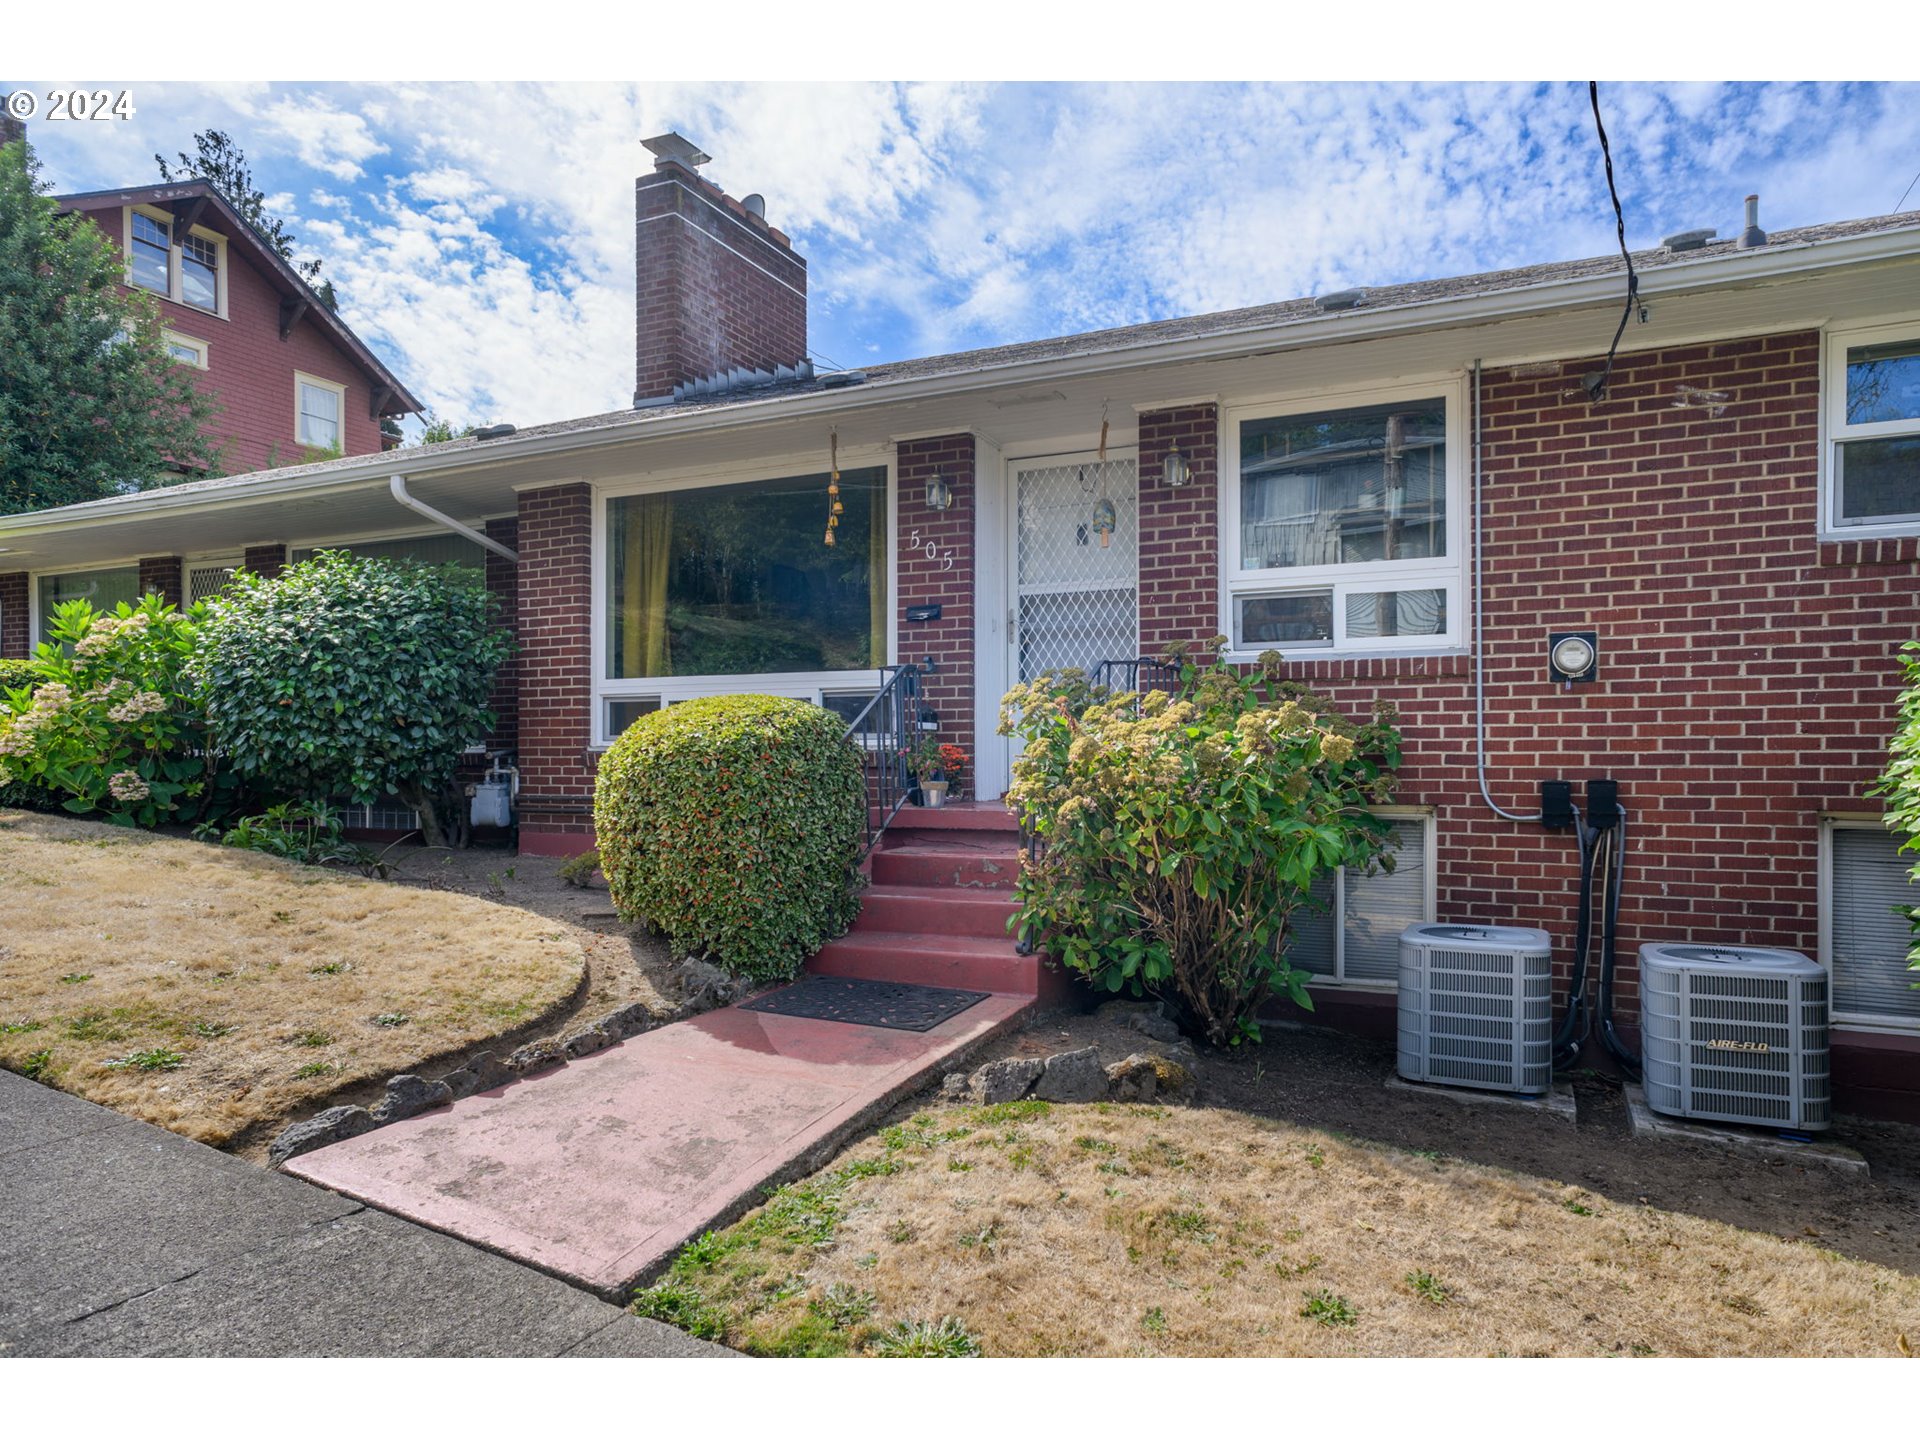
(939, 493)
(1175, 472)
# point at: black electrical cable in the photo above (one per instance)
(1598, 385)
(1616, 1047)
(1577, 1022)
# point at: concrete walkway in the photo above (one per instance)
(599, 1170)
(117, 1238)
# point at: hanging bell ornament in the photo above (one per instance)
(1105, 521)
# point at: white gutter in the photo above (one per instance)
(398, 485)
(1742, 267)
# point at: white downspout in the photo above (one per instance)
(398, 484)
(1479, 639)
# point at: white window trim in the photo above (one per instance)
(301, 377)
(1447, 573)
(1834, 429)
(1872, 1024)
(202, 349)
(175, 292)
(799, 685)
(1338, 981)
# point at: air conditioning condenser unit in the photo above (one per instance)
(1476, 1007)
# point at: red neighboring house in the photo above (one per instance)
(288, 376)
(1410, 491)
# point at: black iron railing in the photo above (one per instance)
(886, 729)
(1139, 675)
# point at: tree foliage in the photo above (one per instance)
(353, 678)
(734, 823)
(219, 160)
(1180, 834)
(1899, 786)
(92, 405)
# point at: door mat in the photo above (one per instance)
(883, 1003)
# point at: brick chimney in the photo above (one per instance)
(717, 288)
(11, 128)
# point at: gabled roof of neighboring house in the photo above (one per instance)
(1387, 309)
(299, 298)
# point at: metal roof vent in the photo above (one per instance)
(494, 432)
(1688, 240)
(1341, 299)
(1753, 237)
(755, 205)
(839, 379)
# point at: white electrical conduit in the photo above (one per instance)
(398, 485)
(1479, 638)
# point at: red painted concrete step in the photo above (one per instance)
(929, 862)
(911, 909)
(964, 815)
(960, 962)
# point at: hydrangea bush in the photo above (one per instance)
(109, 724)
(734, 824)
(1899, 786)
(1180, 833)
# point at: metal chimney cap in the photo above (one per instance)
(755, 205)
(674, 148)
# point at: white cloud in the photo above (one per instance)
(327, 139)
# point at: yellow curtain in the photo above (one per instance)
(646, 565)
(877, 597)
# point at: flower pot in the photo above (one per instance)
(935, 792)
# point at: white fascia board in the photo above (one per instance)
(1744, 267)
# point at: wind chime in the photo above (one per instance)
(834, 508)
(1105, 518)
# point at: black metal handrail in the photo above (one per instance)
(886, 730)
(1139, 675)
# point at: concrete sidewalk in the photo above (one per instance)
(599, 1170)
(117, 1238)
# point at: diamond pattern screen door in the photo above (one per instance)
(1077, 561)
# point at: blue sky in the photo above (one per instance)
(481, 234)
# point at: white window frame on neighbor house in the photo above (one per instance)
(814, 685)
(174, 290)
(301, 380)
(1424, 816)
(1835, 431)
(1444, 573)
(1846, 1020)
(175, 342)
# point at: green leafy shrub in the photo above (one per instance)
(1180, 833)
(19, 794)
(109, 723)
(307, 831)
(734, 825)
(1899, 785)
(353, 678)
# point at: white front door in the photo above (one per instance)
(1076, 571)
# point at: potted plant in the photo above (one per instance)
(953, 763)
(925, 763)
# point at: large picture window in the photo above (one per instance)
(102, 589)
(1343, 527)
(1872, 385)
(736, 580)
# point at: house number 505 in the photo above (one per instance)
(931, 550)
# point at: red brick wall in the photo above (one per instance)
(555, 611)
(266, 561)
(927, 580)
(250, 368)
(714, 287)
(1747, 672)
(161, 575)
(14, 626)
(503, 583)
(1179, 529)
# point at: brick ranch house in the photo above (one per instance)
(1407, 491)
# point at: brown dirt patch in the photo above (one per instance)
(212, 990)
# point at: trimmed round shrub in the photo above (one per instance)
(734, 825)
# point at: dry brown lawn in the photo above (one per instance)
(1121, 1231)
(206, 989)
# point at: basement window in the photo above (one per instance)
(1343, 527)
(1871, 382)
(1865, 937)
(1356, 941)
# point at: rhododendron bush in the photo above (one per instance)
(1178, 834)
